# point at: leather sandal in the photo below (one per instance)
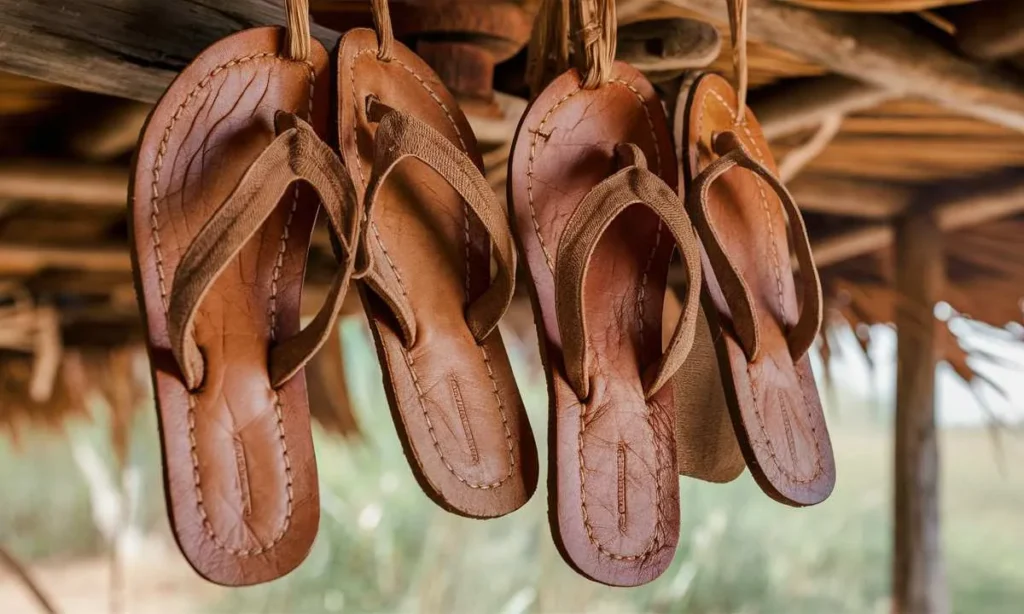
(762, 332)
(430, 226)
(229, 176)
(592, 194)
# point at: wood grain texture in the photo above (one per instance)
(125, 48)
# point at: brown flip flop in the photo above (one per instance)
(706, 445)
(592, 193)
(428, 293)
(761, 331)
(220, 231)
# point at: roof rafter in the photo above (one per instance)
(88, 46)
(885, 53)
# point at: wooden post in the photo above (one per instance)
(919, 581)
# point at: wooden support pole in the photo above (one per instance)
(919, 583)
(885, 53)
(990, 200)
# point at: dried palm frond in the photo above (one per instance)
(116, 375)
(19, 411)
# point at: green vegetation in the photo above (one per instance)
(383, 547)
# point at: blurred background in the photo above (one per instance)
(89, 530)
(897, 126)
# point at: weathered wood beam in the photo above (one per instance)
(919, 583)
(28, 259)
(125, 48)
(885, 53)
(851, 244)
(50, 181)
(840, 196)
(979, 208)
(793, 106)
(797, 159)
(958, 213)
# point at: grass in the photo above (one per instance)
(383, 547)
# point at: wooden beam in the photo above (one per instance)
(28, 259)
(839, 196)
(919, 583)
(990, 30)
(993, 204)
(58, 182)
(885, 53)
(793, 106)
(125, 48)
(797, 159)
(851, 244)
(960, 212)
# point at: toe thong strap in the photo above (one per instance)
(296, 154)
(737, 293)
(401, 136)
(632, 185)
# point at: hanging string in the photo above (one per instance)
(596, 32)
(385, 33)
(298, 36)
(738, 31)
(587, 28)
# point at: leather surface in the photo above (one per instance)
(612, 485)
(773, 401)
(455, 403)
(241, 481)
